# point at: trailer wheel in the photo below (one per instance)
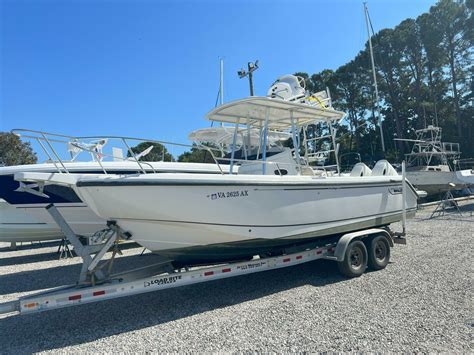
(355, 260)
(379, 252)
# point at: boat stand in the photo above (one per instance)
(446, 203)
(63, 249)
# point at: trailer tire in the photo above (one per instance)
(379, 252)
(355, 260)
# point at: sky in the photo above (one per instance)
(150, 69)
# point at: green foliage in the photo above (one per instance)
(15, 152)
(158, 153)
(196, 155)
(393, 156)
(425, 76)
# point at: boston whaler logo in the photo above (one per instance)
(395, 190)
(228, 194)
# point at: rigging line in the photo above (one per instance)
(374, 56)
(370, 23)
(217, 100)
(218, 95)
(376, 40)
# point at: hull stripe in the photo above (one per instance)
(282, 186)
(263, 225)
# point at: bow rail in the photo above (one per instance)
(95, 146)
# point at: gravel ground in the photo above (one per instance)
(420, 302)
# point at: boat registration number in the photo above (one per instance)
(228, 194)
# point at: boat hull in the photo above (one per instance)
(239, 250)
(466, 176)
(16, 225)
(174, 216)
(28, 223)
(435, 182)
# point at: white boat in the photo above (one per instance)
(269, 205)
(465, 172)
(435, 179)
(23, 217)
(16, 225)
(432, 163)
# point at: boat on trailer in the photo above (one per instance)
(286, 215)
(268, 205)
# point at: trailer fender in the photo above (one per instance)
(346, 239)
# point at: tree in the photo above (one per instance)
(452, 18)
(389, 57)
(158, 153)
(196, 155)
(409, 39)
(15, 152)
(425, 75)
(431, 37)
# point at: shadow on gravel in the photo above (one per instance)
(60, 275)
(38, 279)
(27, 259)
(50, 255)
(33, 245)
(87, 323)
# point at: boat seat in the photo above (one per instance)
(360, 169)
(384, 168)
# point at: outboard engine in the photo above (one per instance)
(288, 88)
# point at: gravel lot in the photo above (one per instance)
(420, 302)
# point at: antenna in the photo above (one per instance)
(366, 12)
(251, 68)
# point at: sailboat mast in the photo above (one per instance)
(221, 85)
(366, 12)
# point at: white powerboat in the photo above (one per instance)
(270, 204)
(465, 172)
(16, 225)
(432, 163)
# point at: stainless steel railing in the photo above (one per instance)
(45, 141)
